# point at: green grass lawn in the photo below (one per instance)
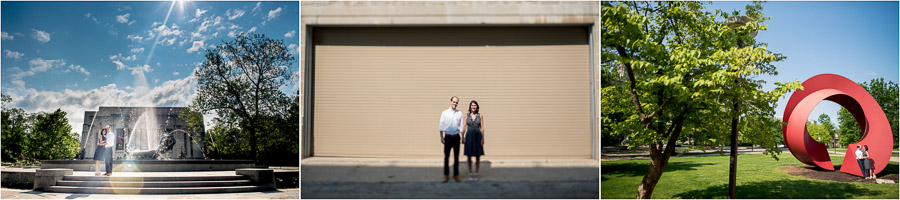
(758, 178)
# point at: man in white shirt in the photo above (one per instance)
(860, 159)
(451, 121)
(110, 150)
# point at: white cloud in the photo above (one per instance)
(203, 26)
(125, 58)
(13, 54)
(178, 92)
(124, 18)
(137, 50)
(156, 80)
(257, 7)
(234, 14)
(170, 41)
(175, 73)
(88, 15)
(232, 34)
(155, 24)
(234, 26)
(78, 68)
(41, 65)
(135, 37)
(164, 30)
(293, 48)
(6, 36)
(19, 83)
(199, 12)
(252, 29)
(290, 34)
(119, 64)
(41, 36)
(38, 65)
(217, 20)
(274, 13)
(196, 46)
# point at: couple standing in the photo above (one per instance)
(105, 144)
(451, 125)
(864, 161)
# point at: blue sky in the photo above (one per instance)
(857, 40)
(78, 56)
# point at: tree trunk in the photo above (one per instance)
(253, 144)
(732, 171)
(735, 121)
(659, 160)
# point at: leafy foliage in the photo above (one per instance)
(680, 68)
(38, 136)
(886, 94)
(52, 137)
(240, 81)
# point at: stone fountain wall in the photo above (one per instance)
(120, 118)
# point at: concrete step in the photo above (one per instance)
(153, 184)
(151, 178)
(161, 190)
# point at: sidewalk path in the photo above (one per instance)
(325, 177)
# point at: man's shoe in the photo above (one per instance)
(457, 178)
(445, 179)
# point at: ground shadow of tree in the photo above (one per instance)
(783, 189)
(640, 169)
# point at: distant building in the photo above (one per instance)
(140, 128)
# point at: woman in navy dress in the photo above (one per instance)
(99, 153)
(473, 138)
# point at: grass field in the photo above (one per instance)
(758, 178)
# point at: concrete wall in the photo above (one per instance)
(437, 13)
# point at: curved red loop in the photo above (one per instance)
(876, 131)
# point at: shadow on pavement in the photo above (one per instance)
(392, 181)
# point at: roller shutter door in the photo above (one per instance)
(379, 92)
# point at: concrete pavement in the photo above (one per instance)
(325, 177)
(30, 194)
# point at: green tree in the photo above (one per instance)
(680, 67)
(52, 137)
(848, 128)
(818, 132)
(194, 121)
(886, 94)
(14, 125)
(827, 133)
(240, 81)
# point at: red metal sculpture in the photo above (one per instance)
(876, 131)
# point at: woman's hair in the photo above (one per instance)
(104, 131)
(477, 107)
(866, 147)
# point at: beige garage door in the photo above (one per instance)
(379, 92)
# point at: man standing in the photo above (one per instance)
(110, 150)
(860, 159)
(451, 120)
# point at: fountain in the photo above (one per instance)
(154, 139)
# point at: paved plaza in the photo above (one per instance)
(326, 177)
(293, 193)
(289, 193)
